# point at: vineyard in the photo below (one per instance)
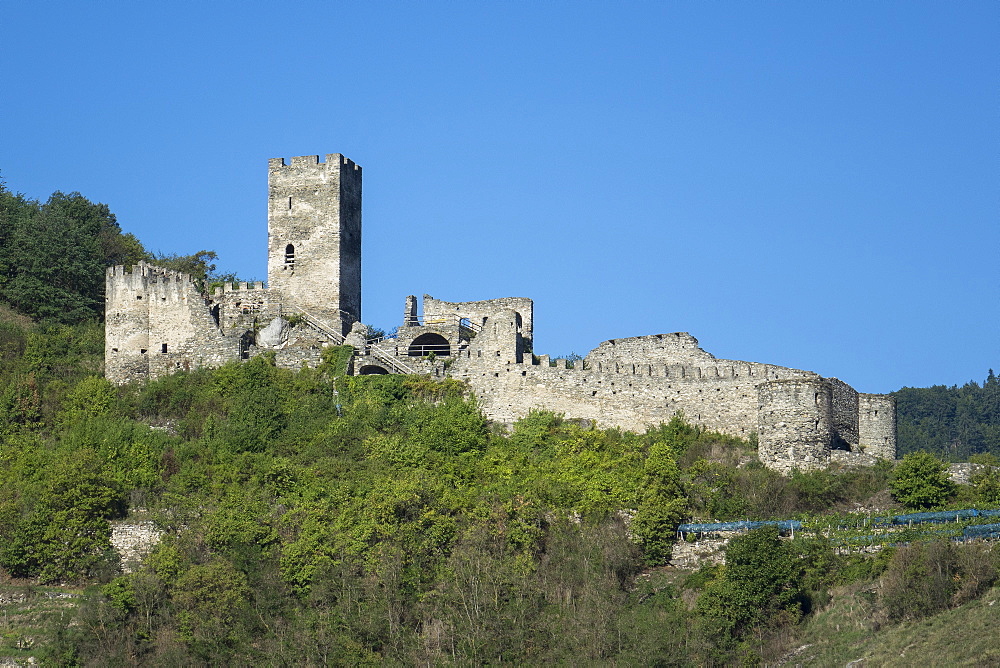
(863, 532)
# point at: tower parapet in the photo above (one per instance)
(156, 322)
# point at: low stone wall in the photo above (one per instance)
(692, 556)
(962, 474)
(134, 540)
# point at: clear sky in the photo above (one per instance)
(815, 185)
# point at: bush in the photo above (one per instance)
(921, 481)
(760, 583)
(925, 578)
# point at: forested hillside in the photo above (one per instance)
(312, 518)
(953, 423)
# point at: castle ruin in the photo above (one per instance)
(160, 321)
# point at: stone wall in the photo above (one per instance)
(158, 322)
(134, 540)
(853, 459)
(694, 555)
(126, 312)
(640, 382)
(242, 306)
(795, 424)
(844, 402)
(477, 312)
(962, 474)
(677, 348)
(616, 385)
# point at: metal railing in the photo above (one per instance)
(430, 320)
(438, 349)
(375, 350)
(388, 358)
(319, 325)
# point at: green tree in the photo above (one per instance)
(212, 602)
(759, 584)
(987, 485)
(921, 481)
(662, 506)
(63, 532)
(55, 257)
(198, 265)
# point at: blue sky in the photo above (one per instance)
(815, 185)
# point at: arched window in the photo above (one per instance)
(289, 255)
(425, 344)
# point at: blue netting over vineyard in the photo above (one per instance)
(944, 516)
(939, 517)
(982, 531)
(783, 525)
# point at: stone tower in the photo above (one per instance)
(314, 236)
(794, 423)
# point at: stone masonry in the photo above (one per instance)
(160, 321)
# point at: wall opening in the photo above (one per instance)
(247, 340)
(372, 370)
(290, 256)
(163, 348)
(425, 344)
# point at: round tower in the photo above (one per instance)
(794, 424)
(877, 425)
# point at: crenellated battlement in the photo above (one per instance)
(304, 161)
(145, 284)
(636, 382)
(147, 272)
(226, 288)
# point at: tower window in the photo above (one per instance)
(289, 202)
(289, 255)
(163, 348)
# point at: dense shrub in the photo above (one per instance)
(921, 481)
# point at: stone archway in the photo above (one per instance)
(425, 344)
(372, 370)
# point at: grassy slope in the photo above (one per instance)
(844, 631)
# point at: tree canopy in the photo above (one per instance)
(53, 255)
(953, 423)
